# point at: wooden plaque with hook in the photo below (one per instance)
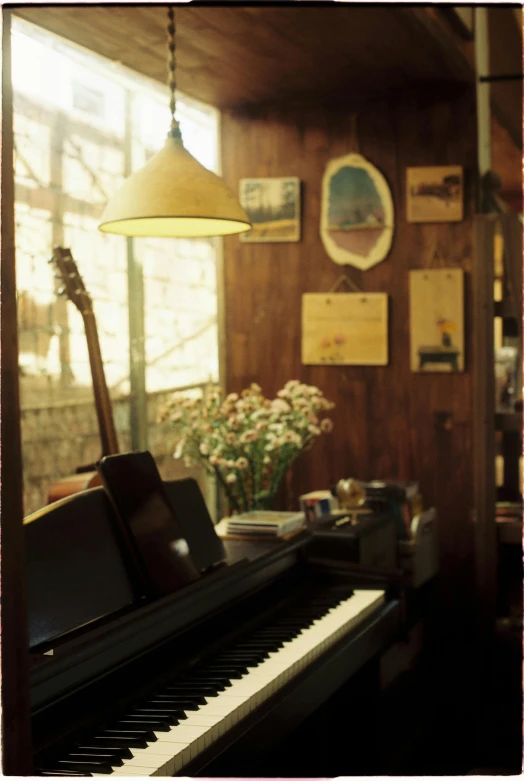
(345, 329)
(436, 302)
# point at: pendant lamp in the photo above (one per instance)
(173, 194)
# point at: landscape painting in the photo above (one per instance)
(273, 207)
(357, 212)
(435, 194)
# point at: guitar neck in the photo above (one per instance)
(102, 401)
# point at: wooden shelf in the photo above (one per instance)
(508, 421)
(505, 309)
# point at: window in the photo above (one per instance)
(81, 125)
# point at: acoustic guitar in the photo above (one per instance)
(74, 289)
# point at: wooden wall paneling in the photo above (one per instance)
(506, 160)
(16, 739)
(388, 421)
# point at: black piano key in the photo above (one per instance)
(83, 767)
(55, 773)
(279, 641)
(213, 679)
(106, 756)
(191, 689)
(268, 645)
(129, 732)
(115, 742)
(86, 757)
(219, 664)
(171, 715)
(248, 659)
(157, 725)
(185, 704)
(294, 625)
(257, 658)
(245, 661)
(256, 643)
(157, 716)
(118, 751)
(198, 687)
(231, 672)
(329, 601)
(183, 701)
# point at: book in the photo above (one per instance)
(508, 511)
(265, 522)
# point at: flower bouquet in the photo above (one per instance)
(248, 441)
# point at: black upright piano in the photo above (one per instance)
(225, 676)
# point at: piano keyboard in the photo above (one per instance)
(161, 735)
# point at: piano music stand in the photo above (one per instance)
(78, 569)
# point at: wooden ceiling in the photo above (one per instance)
(235, 56)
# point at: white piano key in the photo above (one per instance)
(174, 749)
(196, 737)
(150, 763)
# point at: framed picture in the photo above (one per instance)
(273, 207)
(345, 329)
(356, 223)
(435, 194)
(436, 304)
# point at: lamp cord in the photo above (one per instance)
(174, 131)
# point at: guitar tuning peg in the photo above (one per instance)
(61, 291)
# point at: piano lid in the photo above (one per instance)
(78, 568)
(81, 566)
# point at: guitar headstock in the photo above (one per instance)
(74, 286)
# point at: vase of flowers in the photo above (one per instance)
(248, 442)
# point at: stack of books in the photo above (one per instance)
(265, 523)
(508, 511)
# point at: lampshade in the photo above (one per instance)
(174, 195)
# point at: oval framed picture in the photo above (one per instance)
(357, 215)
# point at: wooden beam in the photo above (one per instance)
(455, 55)
(16, 735)
(505, 56)
(483, 91)
(136, 318)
